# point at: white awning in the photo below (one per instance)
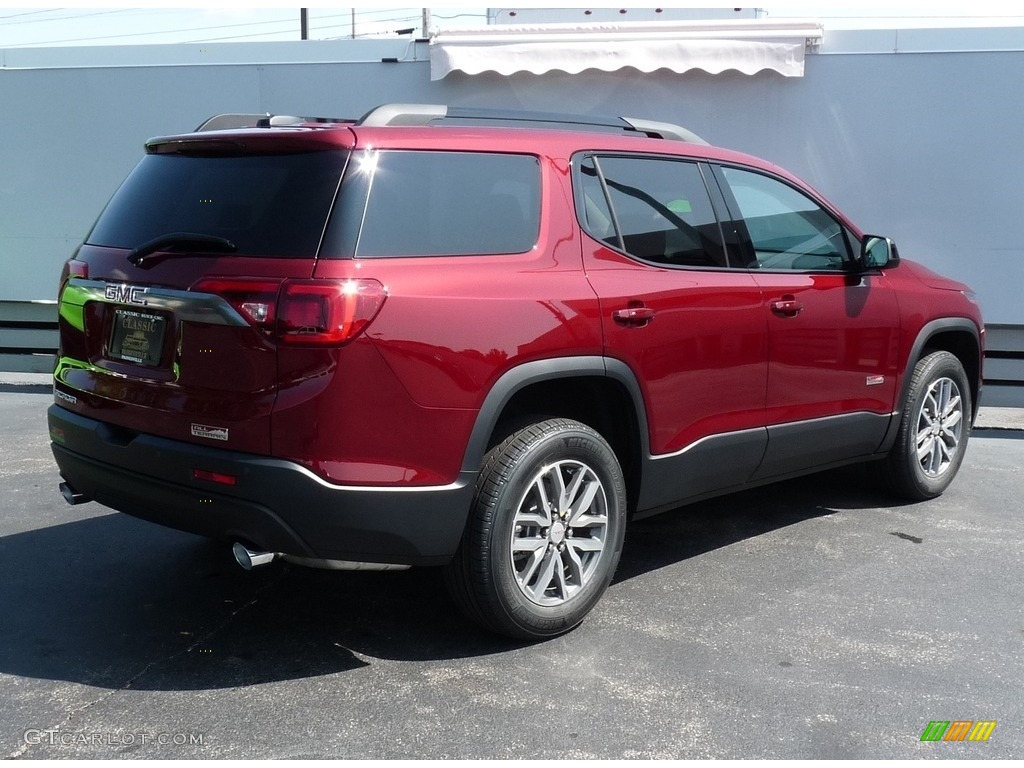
(746, 45)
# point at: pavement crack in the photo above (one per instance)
(906, 536)
(201, 639)
(18, 752)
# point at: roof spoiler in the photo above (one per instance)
(426, 114)
(234, 120)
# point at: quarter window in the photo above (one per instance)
(787, 229)
(424, 203)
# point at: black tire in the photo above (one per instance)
(508, 593)
(937, 378)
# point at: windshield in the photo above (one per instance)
(266, 205)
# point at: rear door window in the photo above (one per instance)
(657, 210)
(267, 205)
(426, 203)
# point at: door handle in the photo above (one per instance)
(787, 307)
(633, 316)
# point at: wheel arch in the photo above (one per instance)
(598, 391)
(957, 335)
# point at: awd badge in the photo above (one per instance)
(210, 433)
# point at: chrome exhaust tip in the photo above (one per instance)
(248, 559)
(71, 496)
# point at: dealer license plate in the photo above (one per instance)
(137, 337)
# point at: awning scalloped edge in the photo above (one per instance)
(713, 57)
(748, 47)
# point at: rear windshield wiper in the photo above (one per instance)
(183, 241)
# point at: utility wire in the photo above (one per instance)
(222, 38)
(319, 28)
(30, 13)
(60, 18)
(359, 35)
(290, 22)
(383, 21)
(364, 16)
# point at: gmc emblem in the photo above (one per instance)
(126, 294)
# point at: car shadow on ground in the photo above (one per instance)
(115, 602)
(26, 389)
(998, 432)
(692, 530)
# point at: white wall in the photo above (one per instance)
(924, 147)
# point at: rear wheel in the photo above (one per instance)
(545, 532)
(934, 430)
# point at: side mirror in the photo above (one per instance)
(878, 252)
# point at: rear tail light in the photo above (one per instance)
(327, 312)
(72, 268)
(302, 312)
(253, 298)
(77, 268)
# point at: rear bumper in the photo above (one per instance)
(275, 505)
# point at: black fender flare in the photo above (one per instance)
(526, 374)
(928, 331)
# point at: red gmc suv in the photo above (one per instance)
(486, 340)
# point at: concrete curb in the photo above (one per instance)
(1000, 418)
(26, 379)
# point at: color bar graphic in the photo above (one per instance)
(958, 730)
(935, 730)
(982, 730)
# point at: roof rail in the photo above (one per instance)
(266, 120)
(664, 130)
(425, 114)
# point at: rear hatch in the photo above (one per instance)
(168, 311)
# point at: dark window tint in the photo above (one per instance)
(595, 215)
(787, 229)
(267, 205)
(661, 207)
(447, 203)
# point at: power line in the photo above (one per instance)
(382, 21)
(72, 17)
(318, 28)
(288, 21)
(223, 38)
(30, 13)
(376, 17)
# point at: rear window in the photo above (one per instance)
(267, 205)
(425, 203)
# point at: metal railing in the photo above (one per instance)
(1004, 366)
(28, 344)
(28, 336)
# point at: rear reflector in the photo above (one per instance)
(214, 477)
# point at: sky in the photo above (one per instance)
(256, 21)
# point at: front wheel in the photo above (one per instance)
(545, 532)
(935, 426)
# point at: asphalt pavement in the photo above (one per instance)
(818, 618)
